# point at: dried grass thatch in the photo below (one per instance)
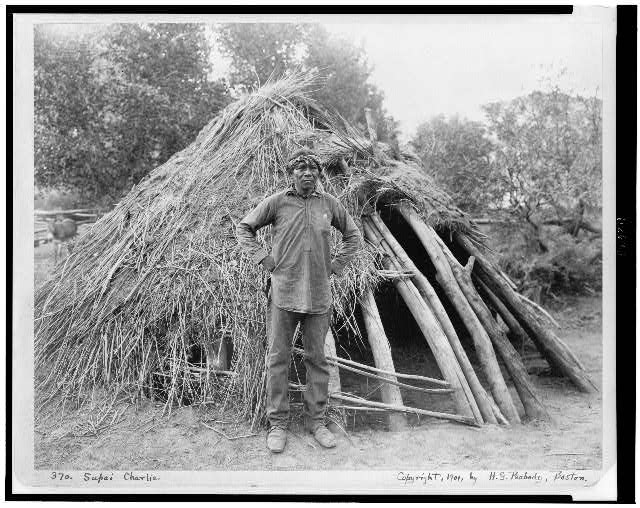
(161, 278)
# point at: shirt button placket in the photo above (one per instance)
(307, 225)
(308, 251)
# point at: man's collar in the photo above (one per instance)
(292, 191)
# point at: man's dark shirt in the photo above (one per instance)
(301, 246)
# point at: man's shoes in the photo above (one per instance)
(276, 439)
(324, 436)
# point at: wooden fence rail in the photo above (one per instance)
(80, 216)
(53, 213)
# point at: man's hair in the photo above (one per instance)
(303, 155)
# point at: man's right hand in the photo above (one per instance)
(268, 264)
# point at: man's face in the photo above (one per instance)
(305, 176)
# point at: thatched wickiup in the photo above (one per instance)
(157, 290)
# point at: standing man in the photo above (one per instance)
(300, 266)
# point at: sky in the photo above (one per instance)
(430, 69)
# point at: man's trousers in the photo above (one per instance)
(314, 331)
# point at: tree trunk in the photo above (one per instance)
(533, 236)
(479, 395)
(584, 224)
(382, 357)
(577, 222)
(481, 340)
(547, 342)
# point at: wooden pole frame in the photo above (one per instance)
(556, 352)
(479, 395)
(382, 358)
(517, 332)
(432, 332)
(528, 395)
(481, 339)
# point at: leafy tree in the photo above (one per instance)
(548, 157)
(346, 88)
(538, 159)
(63, 106)
(112, 104)
(258, 51)
(458, 153)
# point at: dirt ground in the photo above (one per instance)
(124, 437)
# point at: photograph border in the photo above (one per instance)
(625, 154)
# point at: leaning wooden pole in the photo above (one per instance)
(479, 395)
(497, 413)
(435, 414)
(528, 396)
(481, 339)
(399, 375)
(382, 357)
(334, 378)
(432, 332)
(517, 332)
(518, 336)
(546, 341)
(374, 236)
